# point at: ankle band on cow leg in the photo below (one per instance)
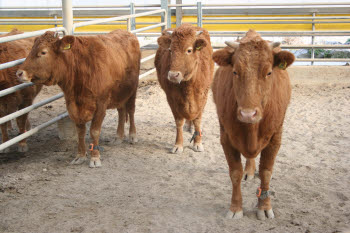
(93, 147)
(195, 134)
(262, 194)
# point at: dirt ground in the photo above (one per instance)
(144, 188)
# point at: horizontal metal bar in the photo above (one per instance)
(32, 131)
(46, 20)
(322, 60)
(15, 88)
(148, 27)
(148, 43)
(11, 63)
(147, 73)
(92, 22)
(29, 108)
(281, 22)
(148, 58)
(316, 46)
(276, 18)
(263, 4)
(31, 34)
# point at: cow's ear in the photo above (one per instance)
(164, 41)
(65, 43)
(283, 59)
(199, 44)
(223, 57)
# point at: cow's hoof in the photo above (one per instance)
(95, 162)
(6, 150)
(247, 176)
(262, 214)
(118, 140)
(22, 148)
(234, 215)
(177, 149)
(133, 139)
(198, 147)
(78, 160)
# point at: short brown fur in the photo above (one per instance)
(11, 51)
(95, 73)
(249, 77)
(188, 98)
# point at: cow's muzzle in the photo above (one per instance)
(248, 115)
(22, 76)
(175, 76)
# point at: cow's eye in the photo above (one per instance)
(234, 72)
(189, 50)
(269, 73)
(43, 52)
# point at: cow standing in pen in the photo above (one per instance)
(185, 73)
(251, 91)
(10, 51)
(95, 73)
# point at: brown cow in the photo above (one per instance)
(251, 91)
(95, 73)
(11, 51)
(185, 72)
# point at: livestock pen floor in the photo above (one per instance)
(143, 188)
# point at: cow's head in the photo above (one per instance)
(254, 65)
(42, 64)
(184, 45)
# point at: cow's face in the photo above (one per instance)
(43, 60)
(184, 47)
(253, 64)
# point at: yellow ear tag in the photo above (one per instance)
(199, 48)
(67, 47)
(283, 65)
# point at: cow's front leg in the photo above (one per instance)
(178, 148)
(21, 123)
(95, 131)
(249, 169)
(81, 157)
(121, 125)
(197, 136)
(5, 137)
(267, 160)
(233, 158)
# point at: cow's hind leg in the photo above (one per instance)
(21, 123)
(188, 126)
(121, 125)
(95, 131)
(178, 148)
(130, 108)
(81, 157)
(249, 169)
(267, 160)
(197, 136)
(233, 158)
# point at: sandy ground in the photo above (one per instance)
(144, 188)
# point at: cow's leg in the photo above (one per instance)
(197, 144)
(130, 108)
(178, 148)
(81, 157)
(95, 131)
(188, 126)
(121, 125)
(21, 123)
(249, 169)
(267, 160)
(233, 158)
(5, 136)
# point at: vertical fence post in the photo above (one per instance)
(128, 24)
(178, 13)
(67, 16)
(66, 127)
(167, 17)
(313, 39)
(55, 17)
(199, 14)
(132, 11)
